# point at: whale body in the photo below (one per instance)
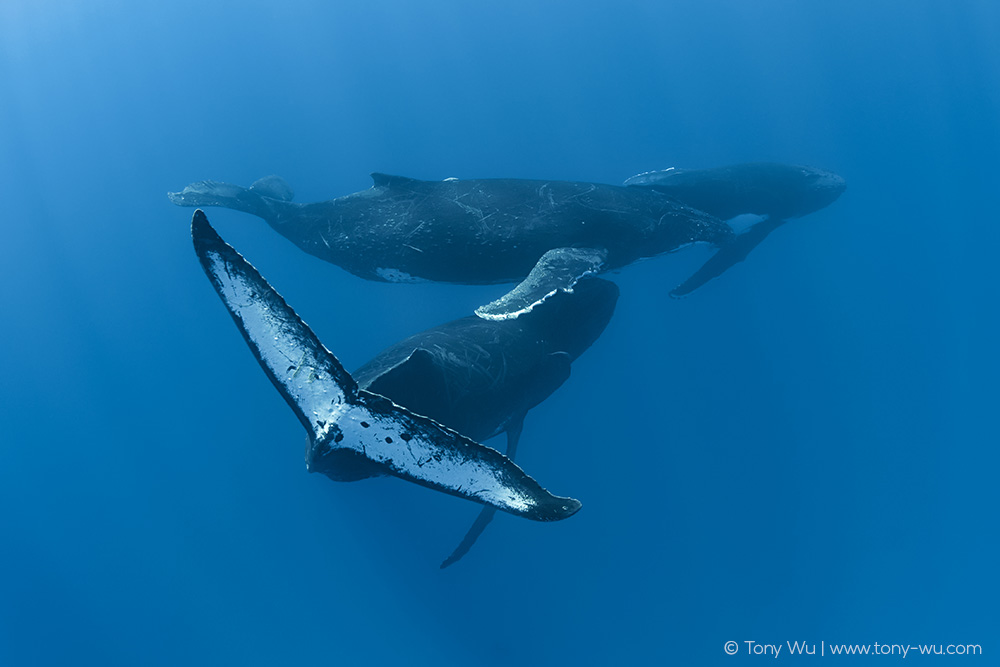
(545, 234)
(480, 377)
(475, 231)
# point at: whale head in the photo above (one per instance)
(770, 189)
(817, 188)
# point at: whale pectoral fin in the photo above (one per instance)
(514, 436)
(475, 530)
(346, 423)
(732, 253)
(487, 513)
(558, 270)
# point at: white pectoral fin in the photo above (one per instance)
(420, 450)
(307, 375)
(355, 433)
(558, 270)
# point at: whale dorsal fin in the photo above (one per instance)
(390, 181)
(416, 382)
(274, 187)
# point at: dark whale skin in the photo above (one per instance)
(479, 376)
(779, 191)
(471, 231)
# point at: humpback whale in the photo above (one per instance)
(354, 433)
(475, 231)
(777, 192)
(480, 377)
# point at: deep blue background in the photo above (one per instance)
(805, 449)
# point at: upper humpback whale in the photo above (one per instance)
(475, 231)
(355, 433)
(776, 191)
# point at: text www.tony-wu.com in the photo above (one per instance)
(824, 648)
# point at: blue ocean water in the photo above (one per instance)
(803, 450)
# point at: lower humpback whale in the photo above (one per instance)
(480, 377)
(475, 231)
(776, 191)
(355, 433)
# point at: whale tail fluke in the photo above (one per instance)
(266, 198)
(355, 433)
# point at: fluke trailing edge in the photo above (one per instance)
(354, 433)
